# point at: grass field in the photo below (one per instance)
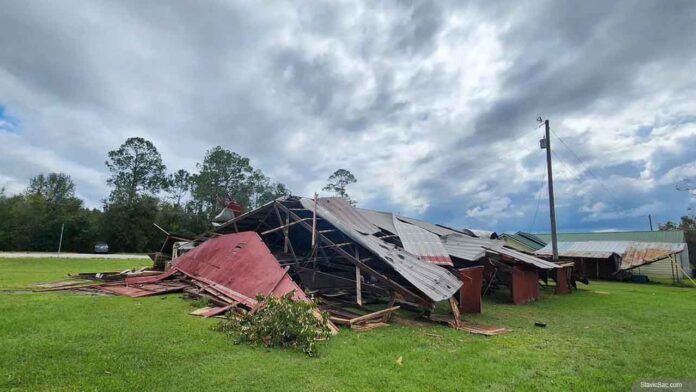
(605, 336)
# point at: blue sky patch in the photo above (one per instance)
(8, 123)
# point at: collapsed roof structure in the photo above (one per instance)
(336, 249)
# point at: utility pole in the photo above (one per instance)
(546, 144)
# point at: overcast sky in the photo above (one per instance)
(432, 105)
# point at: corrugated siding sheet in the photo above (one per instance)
(433, 281)
(660, 270)
(422, 243)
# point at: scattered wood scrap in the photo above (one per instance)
(467, 326)
(359, 322)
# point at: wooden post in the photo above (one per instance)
(314, 222)
(280, 220)
(285, 233)
(358, 287)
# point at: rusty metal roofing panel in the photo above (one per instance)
(238, 263)
(641, 253)
(435, 282)
(421, 243)
(633, 254)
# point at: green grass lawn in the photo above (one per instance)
(593, 341)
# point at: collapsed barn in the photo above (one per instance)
(348, 255)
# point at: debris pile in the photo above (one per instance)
(345, 259)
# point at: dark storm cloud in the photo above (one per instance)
(570, 57)
(431, 104)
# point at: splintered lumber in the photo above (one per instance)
(468, 327)
(455, 311)
(482, 330)
(339, 320)
(211, 311)
(387, 316)
(374, 315)
(369, 326)
(332, 327)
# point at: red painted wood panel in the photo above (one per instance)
(470, 292)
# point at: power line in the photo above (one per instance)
(585, 168)
(536, 211)
(566, 167)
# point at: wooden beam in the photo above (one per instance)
(287, 238)
(283, 227)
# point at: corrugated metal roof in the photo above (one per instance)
(523, 241)
(673, 236)
(523, 257)
(640, 253)
(343, 211)
(466, 247)
(472, 249)
(421, 243)
(435, 282)
(590, 249)
(241, 263)
(483, 233)
(632, 253)
(383, 220)
(439, 230)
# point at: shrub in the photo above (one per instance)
(279, 322)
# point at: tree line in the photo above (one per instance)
(143, 192)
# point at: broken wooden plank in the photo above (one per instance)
(339, 320)
(374, 315)
(368, 327)
(455, 311)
